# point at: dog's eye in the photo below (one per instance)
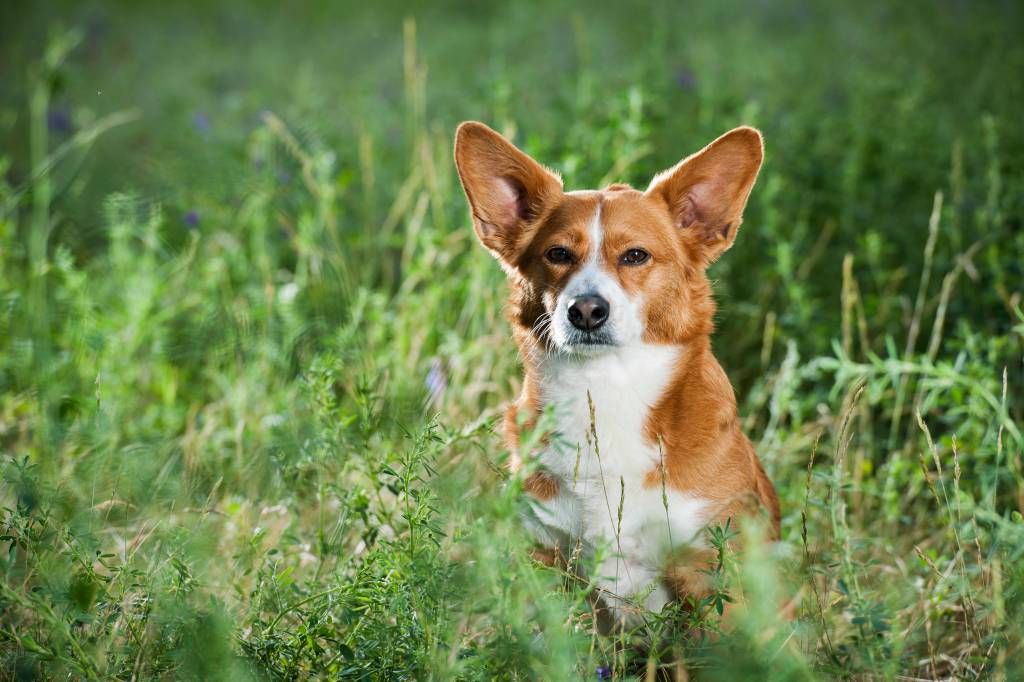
(634, 257)
(558, 254)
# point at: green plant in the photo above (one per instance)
(252, 361)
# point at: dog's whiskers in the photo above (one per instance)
(542, 331)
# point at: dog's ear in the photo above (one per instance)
(507, 190)
(706, 193)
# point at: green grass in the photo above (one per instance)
(233, 248)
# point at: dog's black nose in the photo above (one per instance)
(588, 312)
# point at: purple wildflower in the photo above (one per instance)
(192, 219)
(604, 672)
(685, 78)
(437, 382)
(58, 120)
(201, 122)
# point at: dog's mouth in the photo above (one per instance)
(589, 343)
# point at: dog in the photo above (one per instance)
(611, 309)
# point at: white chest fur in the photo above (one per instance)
(603, 502)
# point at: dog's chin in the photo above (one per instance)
(588, 344)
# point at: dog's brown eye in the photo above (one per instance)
(634, 257)
(558, 254)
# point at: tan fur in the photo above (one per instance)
(685, 220)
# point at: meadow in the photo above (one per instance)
(252, 359)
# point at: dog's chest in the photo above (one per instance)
(601, 409)
(601, 456)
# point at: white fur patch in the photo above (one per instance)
(598, 476)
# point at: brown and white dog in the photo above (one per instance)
(612, 311)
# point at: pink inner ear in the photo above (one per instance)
(508, 198)
(693, 204)
(511, 202)
(686, 212)
(702, 204)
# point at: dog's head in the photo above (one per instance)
(596, 270)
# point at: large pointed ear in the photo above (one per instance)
(706, 193)
(507, 190)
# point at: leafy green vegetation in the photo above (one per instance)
(252, 358)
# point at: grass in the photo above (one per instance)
(252, 359)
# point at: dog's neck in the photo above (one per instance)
(671, 396)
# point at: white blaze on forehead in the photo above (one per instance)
(596, 234)
(590, 277)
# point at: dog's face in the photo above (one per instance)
(597, 270)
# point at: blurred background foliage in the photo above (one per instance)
(251, 356)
